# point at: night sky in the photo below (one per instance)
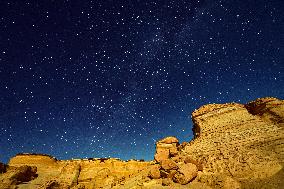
(108, 78)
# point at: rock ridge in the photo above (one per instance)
(234, 146)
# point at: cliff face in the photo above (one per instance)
(235, 146)
(243, 142)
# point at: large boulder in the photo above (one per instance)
(185, 173)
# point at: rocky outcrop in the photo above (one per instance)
(39, 160)
(174, 167)
(234, 146)
(240, 144)
(81, 173)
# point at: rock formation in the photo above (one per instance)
(81, 173)
(244, 143)
(234, 146)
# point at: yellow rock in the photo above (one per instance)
(234, 146)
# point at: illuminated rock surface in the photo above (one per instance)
(235, 146)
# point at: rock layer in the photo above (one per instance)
(243, 142)
(234, 146)
(81, 173)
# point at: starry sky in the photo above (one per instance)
(108, 78)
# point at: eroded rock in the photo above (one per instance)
(166, 148)
(185, 173)
(188, 159)
(169, 164)
(235, 146)
(242, 142)
(162, 154)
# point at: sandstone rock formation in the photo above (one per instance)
(174, 167)
(240, 144)
(166, 148)
(235, 146)
(81, 173)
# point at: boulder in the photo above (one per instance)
(191, 160)
(166, 148)
(168, 164)
(154, 172)
(162, 154)
(185, 173)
